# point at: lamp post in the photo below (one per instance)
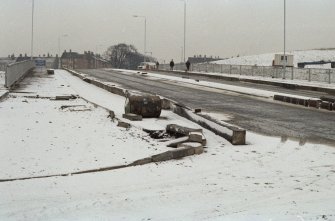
(145, 32)
(184, 29)
(59, 48)
(96, 54)
(32, 31)
(285, 60)
(59, 42)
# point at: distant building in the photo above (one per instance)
(203, 59)
(88, 60)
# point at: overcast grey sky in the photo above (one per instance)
(222, 28)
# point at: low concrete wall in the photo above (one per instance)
(235, 135)
(17, 71)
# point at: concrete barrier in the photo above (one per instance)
(232, 133)
(17, 71)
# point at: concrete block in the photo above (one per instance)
(178, 130)
(238, 137)
(326, 105)
(197, 110)
(197, 147)
(197, 137)
(303, 102)
(198, 150)
(88, 80)
(287, 99)
(50, 71)
(162, 156)
(174, 143)
(123, 124)
(182, 151)
(278, 97)
(145, 105)
(63, 97)
(314, 103)
(166, 104)
(132, 117)
(328, 98)
(294, 100)
(141, 161)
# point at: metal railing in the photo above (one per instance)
(291, 73)
(16, 71)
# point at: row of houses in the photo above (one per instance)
(88, 60)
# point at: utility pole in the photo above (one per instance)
(285, 60)
(145, 32)
(32, 31)
(184, 30)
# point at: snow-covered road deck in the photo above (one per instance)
(269, 179)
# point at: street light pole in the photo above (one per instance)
(145, 32)
(285, 60)
(59, 43)
(184, 30)
(32, 31)
(59, 48)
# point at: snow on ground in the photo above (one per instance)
(271, 178)
(299, 56)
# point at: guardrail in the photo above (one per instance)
(17, 71)
(293, 73)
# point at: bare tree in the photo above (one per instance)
(125, 56)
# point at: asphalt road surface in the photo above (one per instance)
(259, 115)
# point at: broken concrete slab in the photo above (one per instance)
(162, 156)
(132, 117)
(234, 134)
(197, 137)
(174, 143)
(182, 151)
(123, 124)
(166, 104)
(326, 105)
(314, 103)
(178, 131)
(198, 148)
(141, 161)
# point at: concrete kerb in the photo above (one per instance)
(232, 133)
(326, 104)
(258, 81)
(3, 95)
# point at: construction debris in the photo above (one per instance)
(123, 124)
(146, 106)
(180, 131)
(132, 117)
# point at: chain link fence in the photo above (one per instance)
(292, 73)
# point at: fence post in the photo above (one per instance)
(309, 74)
(230, 68)
(276, 72)
(240, 69)
(221, 67)
(206, 68)
(292, 73)
(329, 76)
